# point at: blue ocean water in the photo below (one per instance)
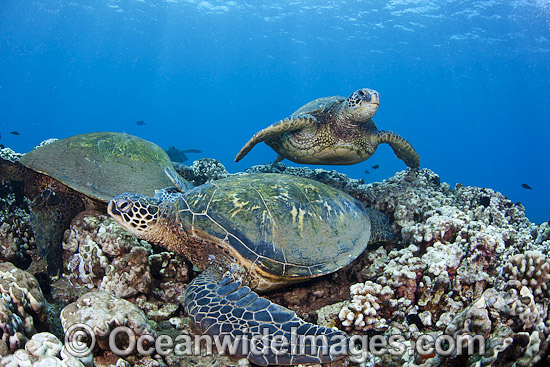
(466, 82)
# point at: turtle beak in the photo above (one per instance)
(369, 95)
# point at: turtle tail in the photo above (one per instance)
(246, 325)
(401, 147)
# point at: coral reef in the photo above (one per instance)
(43, 349)
(202, 171)
(9, 155)
(22, 307)
(466, 262)
(16, 236)
(46, 142)
(531, 269)
(461, 246)
(363, 311)
(173, 273)
(102, 312)
(101, 255)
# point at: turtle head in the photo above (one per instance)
(140, 215)
(360, 106)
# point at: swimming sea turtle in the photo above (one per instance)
(83, 172)
(332, 130)
(257, 231)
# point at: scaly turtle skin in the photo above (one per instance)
(83, 172)
(257, 231)
(332, 130)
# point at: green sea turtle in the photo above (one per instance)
(257, 231)
(83, 172)
(177, 155)
(332, 130)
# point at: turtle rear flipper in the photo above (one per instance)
(277, 129)
(254, 327)
(401, 147)
(380, 227)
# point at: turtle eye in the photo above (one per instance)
(124, 206)
(364, 96)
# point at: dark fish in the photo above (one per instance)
(140, 122)
(15, 132)
(376, 166)
(177, 155)
(367, 172)
(525, 186)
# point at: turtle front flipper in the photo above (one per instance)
(181, 183)
(51, 214)
(277, 129)
(401, 147)
(250, 326)
(12, 171)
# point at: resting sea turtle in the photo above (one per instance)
(177, 155)
(258, 231)
(332, 130)
(83, 172)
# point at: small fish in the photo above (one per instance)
(367, 172)
(15, 132)
(140, 122)
(376, 166)
(525, 186)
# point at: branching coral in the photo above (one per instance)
(362, 312)
(531, 269)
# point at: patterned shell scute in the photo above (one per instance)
(319, 106)
(289, 226)
(103, 164)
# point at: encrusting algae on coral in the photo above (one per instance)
(466, 261)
